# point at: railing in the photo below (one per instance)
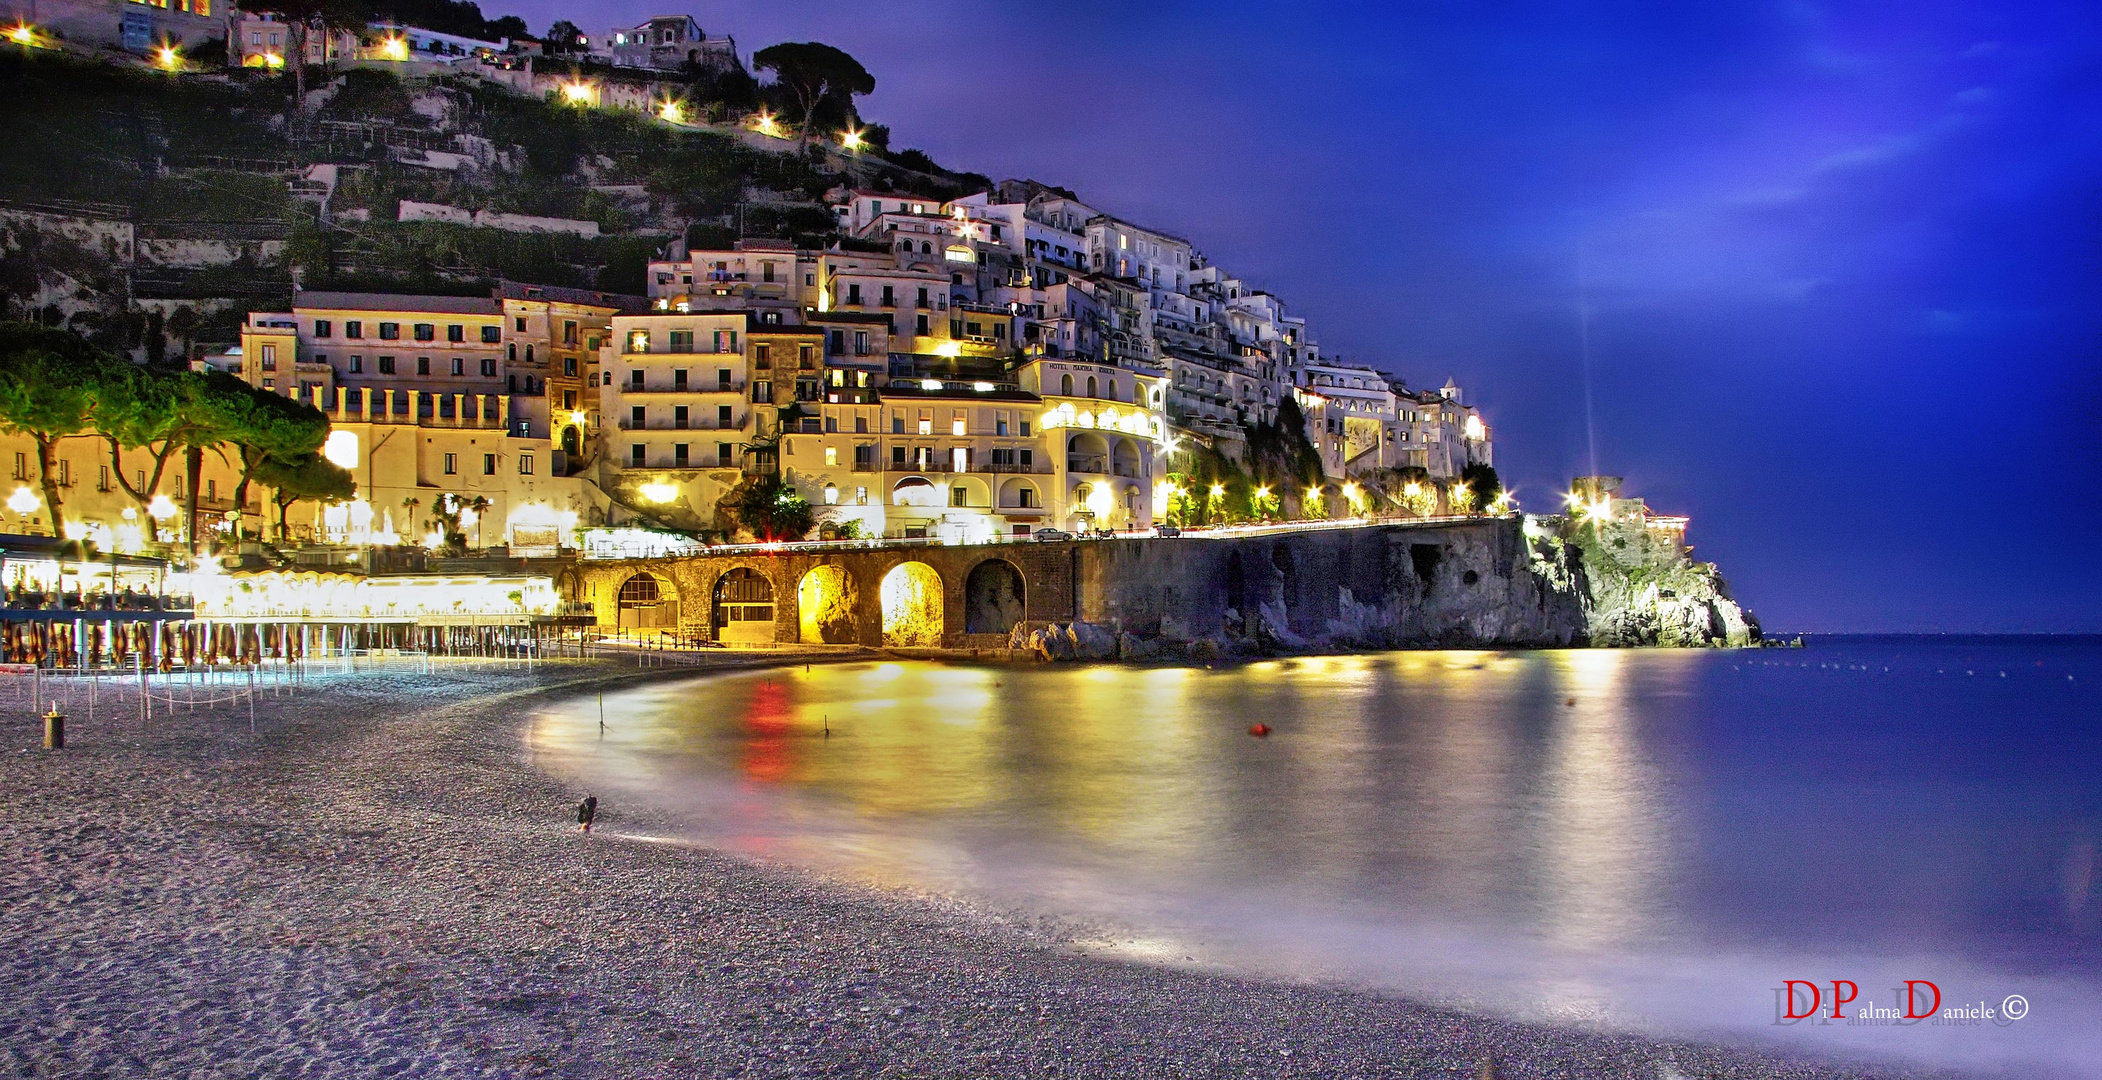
(690, 388)
(707, 424)
(1087, 464)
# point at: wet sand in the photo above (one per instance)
(376, 883)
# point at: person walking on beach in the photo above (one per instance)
(587, 810)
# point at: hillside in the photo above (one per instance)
(126, 191)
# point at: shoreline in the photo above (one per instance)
(380, 883)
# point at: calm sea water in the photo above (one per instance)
(1648, 840)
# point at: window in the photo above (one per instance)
(897, 423)
(889, 297)
(426, 331)
(519, 324)
(723, 417)
(488, 367)
(681, 341)
(1000, 424)
(386, 365)
(926, 422)
(831, 458)
(525, 463)
(269, 358)
(722, 378)
(763, 357)
(897, 457)
(854, 295)
(452, 464)
(635, 416)
(919, 325)
(569, 332)
(638, 341)
(634, 378)
(839, 342)
(678, 416)
(460, 365)
(569, 366)
(864, 458)
(423, 365)
(353, 329)
(21, 465)
(1025, 434)
(722, 454)
(102, 479)
(861, 425)
(1065, 385)
(678, 379)
(766, 271)
(454, 332)
(678, 454)
(726, 341)
(321, 328)
(861, 343)
(493, 334)
(569, 399)
(922, 302)
(488, 464)
(957, 426)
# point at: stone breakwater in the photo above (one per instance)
(377, 883)
(1498, 583)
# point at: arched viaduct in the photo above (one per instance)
(1447, 582)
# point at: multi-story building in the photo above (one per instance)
(668, 43)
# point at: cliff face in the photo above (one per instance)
(1494, 583)
(1640, 588)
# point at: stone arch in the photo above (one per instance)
(1087, 452)
(646, 602)
(743, 610)
(912, 606)
(915, 491)
(827, 600)
(1019, 494)
(994, 598)
(1124, 458)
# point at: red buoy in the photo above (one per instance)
(1259, 730)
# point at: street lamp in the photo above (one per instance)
(672, 112)
(167, 58)
(850, 139)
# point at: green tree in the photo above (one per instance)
(563, 38)
(816, 74)
(773, 510)
(48, 383)
(1482, 484)
(184, 324)
(309, 477)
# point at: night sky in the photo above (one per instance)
(1836, 265)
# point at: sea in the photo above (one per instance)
(1681, 843)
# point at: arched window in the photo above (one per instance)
(1113, 391)
(926, 248)
(1065, 385)
(1091, 386)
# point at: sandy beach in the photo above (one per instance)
(376, 883)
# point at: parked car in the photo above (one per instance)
(1166, 531)
(1048, 535)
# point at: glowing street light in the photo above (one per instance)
(850, 139)
(671, 112)
(394, 48)
(161, 508)
(22, 34)
(660, 492)
(766, 124)
(167, 58)
(1218, 491)
(576, 93)
(23, 501)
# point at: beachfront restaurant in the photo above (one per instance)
(247, 616)
(65, 604)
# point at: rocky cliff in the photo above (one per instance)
(1493, 583)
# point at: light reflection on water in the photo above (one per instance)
(1625, 837)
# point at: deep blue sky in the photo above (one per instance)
(1840, 262)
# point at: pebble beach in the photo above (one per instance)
(375, 882)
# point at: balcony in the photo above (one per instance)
(1088, 463)
(737, 388)
(705, 424)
